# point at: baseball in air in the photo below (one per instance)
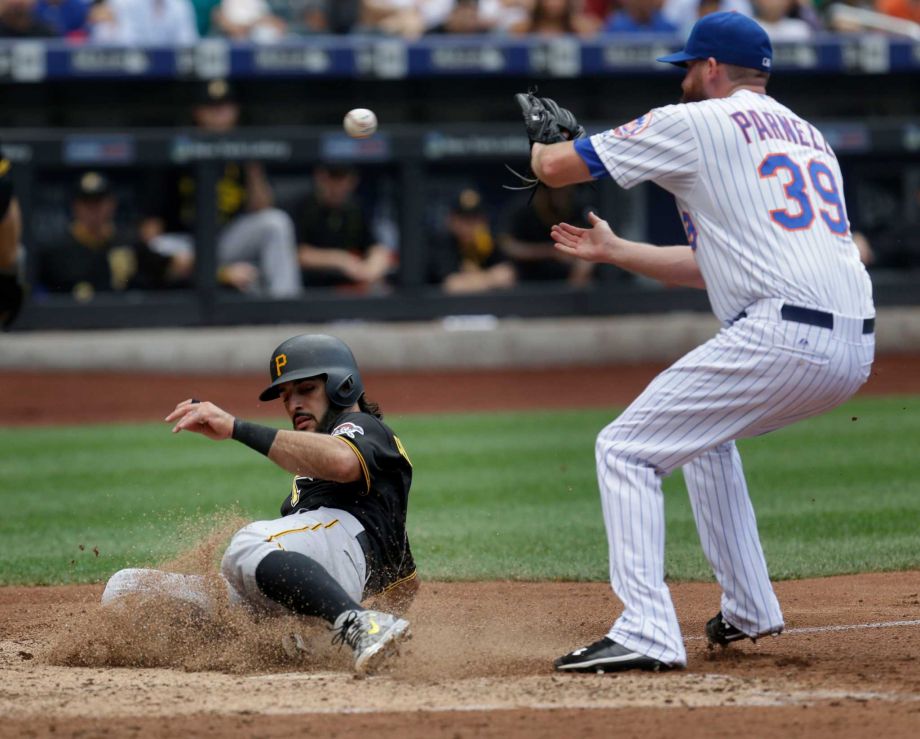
(360, 123)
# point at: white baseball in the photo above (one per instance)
(360, 123)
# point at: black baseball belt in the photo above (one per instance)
(812, 317)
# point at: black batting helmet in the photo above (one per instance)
(312, 355)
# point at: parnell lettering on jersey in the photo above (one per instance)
(781, 128)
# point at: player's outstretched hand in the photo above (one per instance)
(596, 244)
(202, 418)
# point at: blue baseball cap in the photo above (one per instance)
(730, 38)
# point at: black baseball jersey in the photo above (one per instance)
(6, 184)
(171, 195)
(77, 263)
(326, 227)
(378, 499)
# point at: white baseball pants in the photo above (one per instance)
(757, 375)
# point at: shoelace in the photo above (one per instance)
(349, 633)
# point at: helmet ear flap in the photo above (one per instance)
(345, 393)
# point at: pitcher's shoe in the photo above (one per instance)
(373, 636)
(607, 656)
(721, 632)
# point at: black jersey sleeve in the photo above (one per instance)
(376, 447)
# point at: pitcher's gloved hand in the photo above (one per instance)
(546, 122)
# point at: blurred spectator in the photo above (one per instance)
(18, 20)
(464, 17)
(639, 16)
(68, 18)
(907, 9)
(895, 240)
(684, 13)
(556, 17)
(256, 251)
(407, 18)
(598, 9)
(331, 16)
(504, 16)
(144, 23)
(527, 243)
(780, 20)
(92, 256)
(248, 20)
(337, 246)
(204, 16)
(464, 257)
(12, 289)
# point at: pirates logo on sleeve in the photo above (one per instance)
(348, 429)
(633, 128)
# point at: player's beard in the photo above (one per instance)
(328, 420)
(693, 92)
(693, 95)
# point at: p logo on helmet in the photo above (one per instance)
(316, 355)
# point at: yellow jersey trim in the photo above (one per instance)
(401, 580)
(302, 529)
(367, 476)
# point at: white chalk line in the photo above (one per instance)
(786, 632)
(762, 701)
(794, 698)
(841, 627)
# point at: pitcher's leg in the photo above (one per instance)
(728, 533)
(633, 507)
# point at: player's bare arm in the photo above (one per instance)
(558, 165)
(315, 455)
(673, 265)
(316, 257)
(10, 229)
(299, 452)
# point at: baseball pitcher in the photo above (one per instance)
(341, 536)
(760, 194)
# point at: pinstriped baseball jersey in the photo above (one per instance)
(761, 199)
(760, 195)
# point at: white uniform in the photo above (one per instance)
(761, 198)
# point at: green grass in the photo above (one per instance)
(510, 495)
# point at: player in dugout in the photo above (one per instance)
(341, 536)
(12, 291)
(760, 194)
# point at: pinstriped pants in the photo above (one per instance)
(755, 376)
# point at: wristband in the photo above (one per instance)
(254, 435)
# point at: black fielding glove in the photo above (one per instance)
(546, 122)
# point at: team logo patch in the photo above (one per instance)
(633, 128)
(348, 429)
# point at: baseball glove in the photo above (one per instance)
(546, 122)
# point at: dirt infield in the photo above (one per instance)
(480, 661)
(40, 398)
(480, 665)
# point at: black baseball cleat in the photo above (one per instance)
(607, 656)
(721, 632)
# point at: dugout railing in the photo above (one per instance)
(413, 156)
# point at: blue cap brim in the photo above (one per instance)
(680, 58)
